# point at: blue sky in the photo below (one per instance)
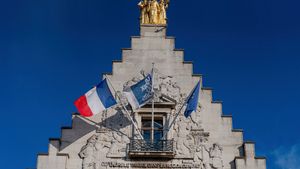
(52, 51)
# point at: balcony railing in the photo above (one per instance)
(159, 148)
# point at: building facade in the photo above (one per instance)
(206, 140)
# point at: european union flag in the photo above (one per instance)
(192, 102)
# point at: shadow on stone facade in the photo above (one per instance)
(83, 126)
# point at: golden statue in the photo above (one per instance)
(153, 12)
(144, 18)
(163, 6)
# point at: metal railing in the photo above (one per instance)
(148, 146)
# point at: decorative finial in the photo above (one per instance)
(153, 12)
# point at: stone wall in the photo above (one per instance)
(206, 140)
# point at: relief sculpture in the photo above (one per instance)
(195, 118)
(182, 138)
(190, 139)
(96, 148)
(88, 153)
(205, 156)
(105, 144)
(164, 86)
(216, 156)
(209, 157)
(118, 145)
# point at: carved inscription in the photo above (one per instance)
(148, 165)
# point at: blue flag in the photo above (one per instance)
(192, 102)
(140, 93)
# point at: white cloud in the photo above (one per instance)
(288, 158)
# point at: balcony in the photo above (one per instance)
(156, 149)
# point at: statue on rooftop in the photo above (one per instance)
(163, 6)
(153, 12)
(144, 18)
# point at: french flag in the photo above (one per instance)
(96, 100)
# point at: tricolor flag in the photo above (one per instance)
(96, 100)
(192, 101)
(140, 93)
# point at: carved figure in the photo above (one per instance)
(144, 18)
(88, 153)
(183, 132)
(198, 155)
(153, 12)
(205, 156)
(163, 83)
(163, 86)
(169, 88)
(216, 156)
(118, 144)
(162, 12)
(153, 9)
(96, 148)
(173, 90)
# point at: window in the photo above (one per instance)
(158, 128)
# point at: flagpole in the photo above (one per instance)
(177, 114)
(124, 107)
(152, 119)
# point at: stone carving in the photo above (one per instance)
(202, 157)
(131, 82)
(134, 80)
(195, 118)
(153, 12)
(205, 155)
(168, 87)
(146, 164)
(88, 153)
(96, 146)
(118, 145)
(191, 141)
(121, 99)
(216, 156)
(104, 144)
(208, 157)
(164, 86)
(114, 131)
(183, 138)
